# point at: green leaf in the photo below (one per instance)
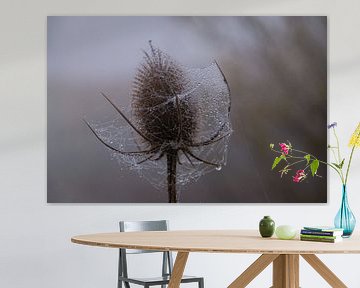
(342, 163)
(339, 166)
(314, 167)
(271, 146)
(336, 165)
(277, 161)
(307, 157)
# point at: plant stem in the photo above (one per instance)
(305, 153)
(340, 159)
(297, 162)
(171, 176)
(348, 167)
(333, 152)
(323, 162)
(338, 145)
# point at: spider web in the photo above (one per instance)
(207, 93)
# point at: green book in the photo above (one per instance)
(319, 236)
(325, 240)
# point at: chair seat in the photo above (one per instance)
(158, 280)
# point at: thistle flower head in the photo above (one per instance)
(163, 118)
(355, 137)
(179, 125)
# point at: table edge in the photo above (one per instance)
(203, 250)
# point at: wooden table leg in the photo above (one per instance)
(293, 262)
(286, 271)
(178, 269)
(253, 270)
(324, 271)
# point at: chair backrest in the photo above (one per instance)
(134, 226)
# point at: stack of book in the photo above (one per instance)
(321, 234)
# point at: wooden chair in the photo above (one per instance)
(167, 263)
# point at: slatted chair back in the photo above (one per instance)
(136, 226)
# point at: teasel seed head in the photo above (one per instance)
(162, 111)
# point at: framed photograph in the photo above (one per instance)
(157, 109)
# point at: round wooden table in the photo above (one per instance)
(284, 254)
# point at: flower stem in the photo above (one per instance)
(292, 164)
(351, 155)
(348, 167)
(337, 144)
(338, 150)
(333, 152)
(171, 176)
(322, 162)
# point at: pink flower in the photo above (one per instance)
(299, 176)
(284, 148)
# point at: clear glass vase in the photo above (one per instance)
(345, 219)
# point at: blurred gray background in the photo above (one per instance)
(277, 72)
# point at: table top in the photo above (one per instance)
(217, 241)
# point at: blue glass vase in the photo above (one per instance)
(345, 219)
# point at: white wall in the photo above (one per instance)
(35, 248)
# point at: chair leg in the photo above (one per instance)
(201, 283)
(120, 273)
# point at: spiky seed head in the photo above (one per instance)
(164, 114)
